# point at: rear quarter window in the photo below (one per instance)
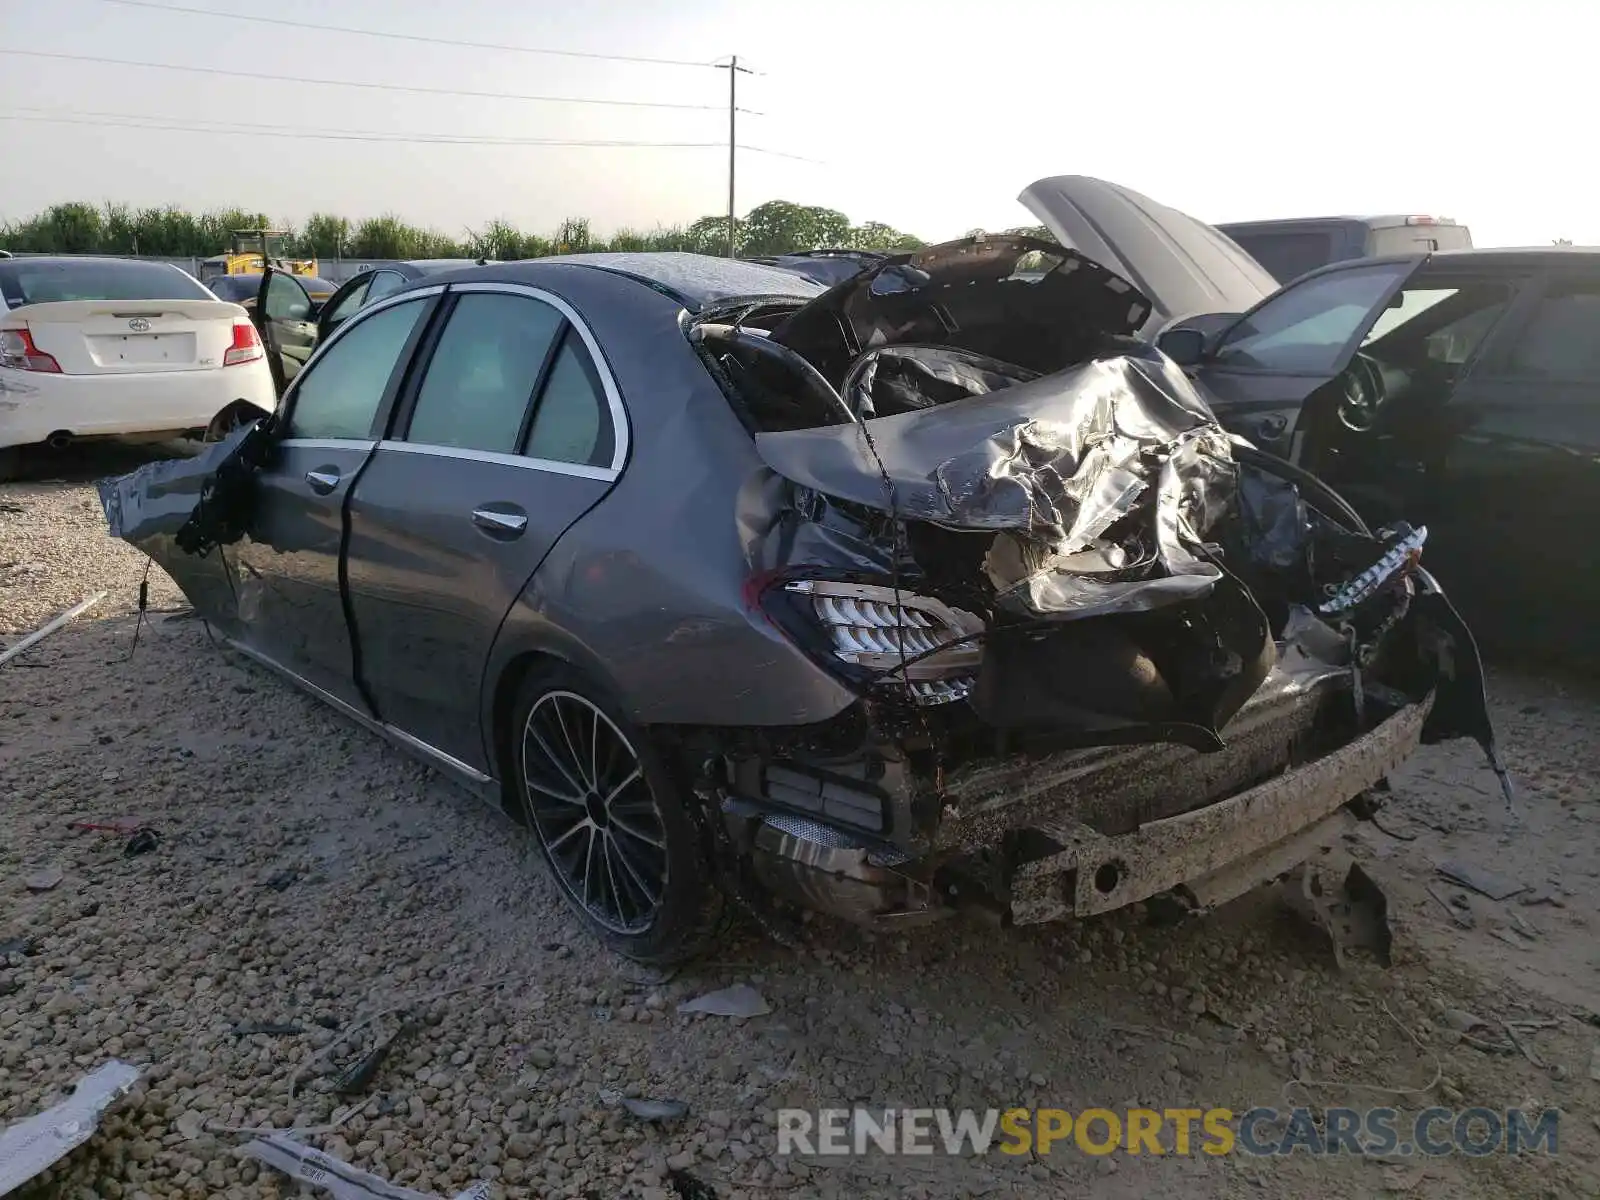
(45, 281)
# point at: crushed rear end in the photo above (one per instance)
(1103, 652)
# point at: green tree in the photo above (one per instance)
(779, 226)
(326, 235)
(771, 228)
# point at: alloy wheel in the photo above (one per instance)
(588, 799)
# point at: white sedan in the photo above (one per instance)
(106, 347)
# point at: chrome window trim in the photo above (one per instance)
(552, 466)
(328, 443)
(621, 435)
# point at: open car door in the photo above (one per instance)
(285, 316)
(1260, 369)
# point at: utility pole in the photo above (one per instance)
(734, 70)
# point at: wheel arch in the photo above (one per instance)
(514, 658)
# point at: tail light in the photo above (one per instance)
(889, 638)
(18, 352)
(246, 345)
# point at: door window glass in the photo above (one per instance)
(1304, 329)
(483, 373)
(1562, 337)
(339, 395)
(348, 304)
(1437, 324)
(286, 299)
(383, 283)
(572, 423)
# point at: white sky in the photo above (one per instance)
(928, 115)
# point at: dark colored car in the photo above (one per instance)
(1460, 389)
(934, 589)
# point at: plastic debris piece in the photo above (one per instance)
(314, 1168)
(740, 1000)
(358, 1076)
(30, 1146)
(1496, 887)
(655, 1110)
(45, 630)
(43, 881)
(142, 842)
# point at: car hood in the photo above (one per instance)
(1183, 265)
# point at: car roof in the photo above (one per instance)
(1380, 221)
(102, 259)
(1507, 257)
(693, 280)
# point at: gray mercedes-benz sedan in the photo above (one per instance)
(934, 589)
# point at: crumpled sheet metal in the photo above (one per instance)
(158, 499)
(1116, 453)
(311, 1166)
(32, 1145)
(915, 377)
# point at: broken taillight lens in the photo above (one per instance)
(895, 638)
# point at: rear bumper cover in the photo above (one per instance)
(34, 405)
(1095, 873)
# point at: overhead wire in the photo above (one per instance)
(416, 89)
(161, 125)
(428, 39)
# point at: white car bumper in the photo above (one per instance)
(34, 405)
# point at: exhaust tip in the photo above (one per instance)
(59, 440)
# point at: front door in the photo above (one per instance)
(503, 439)
(1266, 365)
(290, 605)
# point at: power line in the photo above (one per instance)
(350, 83)
(122, 121)
(409, 37)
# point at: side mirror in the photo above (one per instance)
(1186, 347)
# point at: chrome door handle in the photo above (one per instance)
(496, 521)
(322, 481)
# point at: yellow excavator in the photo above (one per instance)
(249, 249)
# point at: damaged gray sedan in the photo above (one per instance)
(932, 590)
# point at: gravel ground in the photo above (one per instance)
(309, 877)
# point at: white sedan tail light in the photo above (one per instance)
(18, 352)
(246, 345)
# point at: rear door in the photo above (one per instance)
(509, 433)
(1260, 371)
(289, 599)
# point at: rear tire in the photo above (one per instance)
(610, 819)
(10, 463)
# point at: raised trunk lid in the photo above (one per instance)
(120, 337)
